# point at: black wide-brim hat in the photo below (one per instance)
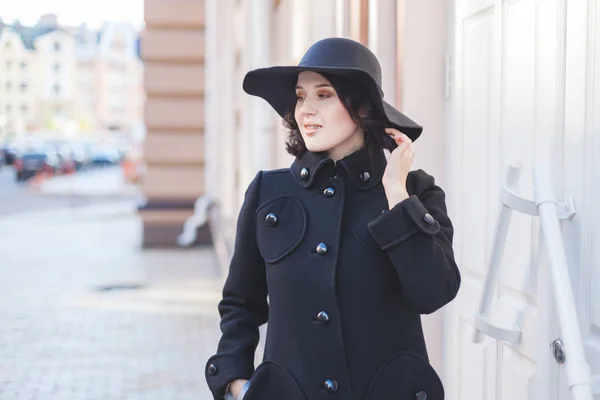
(339, 56)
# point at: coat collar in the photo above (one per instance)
(364, 170)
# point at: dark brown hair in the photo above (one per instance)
(357, 101)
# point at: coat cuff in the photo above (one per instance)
(406, 218)
(220, 370)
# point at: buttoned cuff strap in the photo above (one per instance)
(406, 218)
(222, 369)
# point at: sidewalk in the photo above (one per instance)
(66, 335)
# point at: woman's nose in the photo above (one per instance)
(307, 108)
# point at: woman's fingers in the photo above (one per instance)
(398, 136)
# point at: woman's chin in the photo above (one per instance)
(317, 147)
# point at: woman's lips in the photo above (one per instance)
(311, 129)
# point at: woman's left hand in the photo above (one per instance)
(398, 167)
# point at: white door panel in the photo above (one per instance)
(527, 88)
(474, 142)
(480, 383)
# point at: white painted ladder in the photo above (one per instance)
(570, 350)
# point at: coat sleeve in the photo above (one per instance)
(417, 236)
(244, 305)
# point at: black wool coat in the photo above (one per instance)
(346, 278)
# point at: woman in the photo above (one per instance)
(349, 248)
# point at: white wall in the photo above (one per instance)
(423, 101)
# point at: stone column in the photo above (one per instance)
(173, 53)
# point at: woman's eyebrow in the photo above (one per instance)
(320, 85)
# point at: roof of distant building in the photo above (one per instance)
(30, 33)
(86, 38)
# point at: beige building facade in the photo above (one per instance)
(70, 81)
(110, 77)
(56, 67)
(18, 85)
(38, 79)
(491, 81)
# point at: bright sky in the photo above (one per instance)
(74, 12)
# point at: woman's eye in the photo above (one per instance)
(324, 96)
(298, 97)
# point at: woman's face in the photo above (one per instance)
(323, 121)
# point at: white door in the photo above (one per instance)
(526, 87)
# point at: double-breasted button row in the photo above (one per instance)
(364, 176)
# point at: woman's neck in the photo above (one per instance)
(354, 143)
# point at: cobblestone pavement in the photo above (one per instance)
(63, 337)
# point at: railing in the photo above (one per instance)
(197, 220)
(550, 212)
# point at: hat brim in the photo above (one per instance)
(277, 86)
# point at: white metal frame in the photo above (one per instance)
(550, 212)
(200, 218)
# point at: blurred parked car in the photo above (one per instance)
(35, 160)
(66, 160)
(9, 154)
(81, 156)
(102, 157)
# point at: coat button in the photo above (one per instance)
(271, 219)
(323, 317)
(421, 395)
(329, 192)
(429, 219)
(322, 248)
(304, 174)
(212, 369)
(365, 176)
(331, 385)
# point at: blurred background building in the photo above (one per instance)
(69, 81)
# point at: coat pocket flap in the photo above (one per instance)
(272, 381)
(280, 227)
(406, 376)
